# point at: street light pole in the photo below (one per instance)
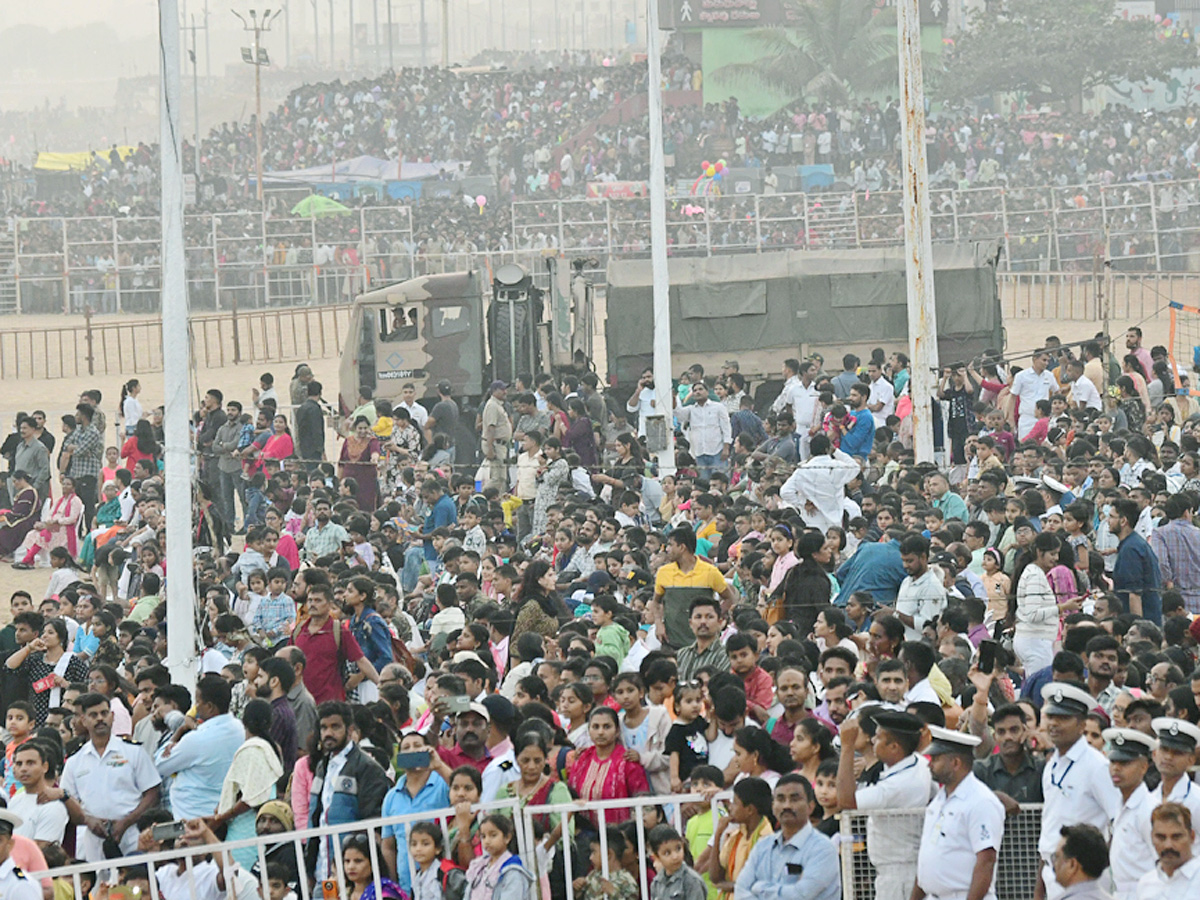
(424, 38)
(350, 42)
(445, 34)
(258, 58)
(391, 39)
(316, 31)
(196, 100)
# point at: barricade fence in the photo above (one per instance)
(263, 260)
(1017, 864)
(97, 346)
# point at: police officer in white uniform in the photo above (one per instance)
(1176, 753)
(964, 825)
(14, 884)
(1132, 853)
(1076, 783)
(904, 784)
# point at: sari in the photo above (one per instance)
(356, 463)
(18, 521)
(611, 778)
(108, 515)
(62, 528)
(279, 446)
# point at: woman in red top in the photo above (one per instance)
(601, 772)
(141, 445)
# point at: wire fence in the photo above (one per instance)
(1016, 865)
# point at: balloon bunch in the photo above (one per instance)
(714, 173)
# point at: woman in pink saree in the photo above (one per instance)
(601, 771)
(59, 529)
(278, 446)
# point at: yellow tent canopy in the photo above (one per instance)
(65, 162)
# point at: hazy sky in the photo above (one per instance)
(136, 17)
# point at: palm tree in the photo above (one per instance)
(834, 51)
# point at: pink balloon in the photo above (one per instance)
(481, 200)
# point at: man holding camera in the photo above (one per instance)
(107, 785)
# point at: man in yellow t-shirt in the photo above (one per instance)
(682, 580)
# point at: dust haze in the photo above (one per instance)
(82, 74)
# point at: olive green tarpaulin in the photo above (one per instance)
(819, 297)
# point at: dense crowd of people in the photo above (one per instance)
(511, 601)
(535, 132)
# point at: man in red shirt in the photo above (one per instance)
(470, 738)
(743, 660)
(324, 649)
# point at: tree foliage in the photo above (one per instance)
(837, 51)
(1059, 48)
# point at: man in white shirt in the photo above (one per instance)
(1029, 386)
(882, 401)
(801, 395)
(708, 431)
(922, 595)
(964, 824)
(1132, 854)
(1084, 393)
(1076, 782)
(106, 785)
(1177, 874)
(45, 823)
(643, 401)
(904, 783)
(408, 400)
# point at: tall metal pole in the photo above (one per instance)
(445, 34)
(658, 241)
(181, 602)
(196, 100)
(316, 5)
(350, 31)
(918, 241)
(332, 51)
(391, 39)
(207, 46)
(375, 15)
(258, 116)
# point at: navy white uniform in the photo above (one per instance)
(1179, 734)
(15, 884)
(1077, 786)
(958, 827)
(893, 841)
(1131, 854)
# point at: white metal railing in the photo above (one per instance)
(1016, 867)
(371, 828)
(262, 259)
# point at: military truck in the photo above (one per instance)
(759, 309)
(468, 328)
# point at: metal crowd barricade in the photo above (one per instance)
(1016, 866)
(1017, 863)
(599, 807)
(373, 828)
